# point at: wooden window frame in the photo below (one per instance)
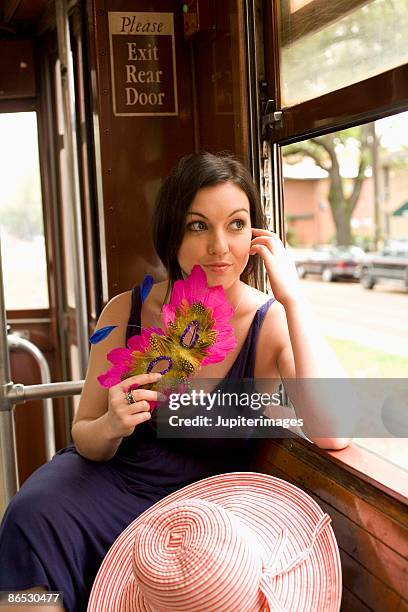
(368, 100)
(346, 107)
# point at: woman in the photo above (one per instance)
(59, 526)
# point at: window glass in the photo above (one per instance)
(21, 217)
(329, 45)
(346, 223)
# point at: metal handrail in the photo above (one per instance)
(16, 342)
(23, 393)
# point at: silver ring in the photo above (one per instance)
(129, 397)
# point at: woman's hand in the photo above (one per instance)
(122, 417)
(281, 269)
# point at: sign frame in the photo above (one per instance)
(137, 18)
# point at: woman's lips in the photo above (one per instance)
(220, 269)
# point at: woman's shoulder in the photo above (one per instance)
(257, 298)
(156, 296)
(118, 306)
(274, 319)
(122, 302)
(273, 336)
(159, 289)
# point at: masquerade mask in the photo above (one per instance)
(195, 332)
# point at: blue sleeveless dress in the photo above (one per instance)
(58, 528)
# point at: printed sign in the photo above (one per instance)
(143, 64)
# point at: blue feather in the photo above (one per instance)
(146, 286)
(104, 332)
(101, 334)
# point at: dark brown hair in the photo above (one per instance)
(193, 172)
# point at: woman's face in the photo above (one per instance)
(217, 234)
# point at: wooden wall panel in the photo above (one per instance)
(136, 152)
(351, 603)
(28, 417)
(220, 75)
(24, 370)
(368, 586)
(17, 74)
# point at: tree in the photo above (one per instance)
(325, 151)
(21, 214)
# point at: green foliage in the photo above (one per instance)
(292, 237)
(324, 150)
(24, 224)
(294, 153)
(364, 241)
(397, 161)
(363, 361)
(22, 216)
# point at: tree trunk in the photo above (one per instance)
(341, 211)
(341, 207)
(342, 221)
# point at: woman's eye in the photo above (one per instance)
(196, 226)
(240, 222)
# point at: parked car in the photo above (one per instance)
(390, 266)
(331, 262)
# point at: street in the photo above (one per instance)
(376, 318)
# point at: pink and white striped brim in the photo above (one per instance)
(228, 543)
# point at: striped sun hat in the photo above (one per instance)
(235, 542)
